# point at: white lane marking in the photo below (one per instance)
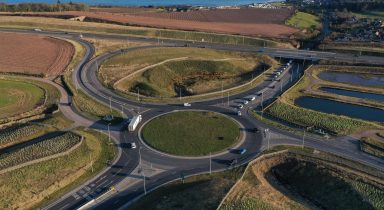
(63, 207)
(101, 179)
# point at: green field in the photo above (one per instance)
(304, 20)
(33, 186)
(191, 133)
(197, 192)
(17, 97)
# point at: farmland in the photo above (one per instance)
(286, 181)
(191, 71)
(17, 97)
(35, 55)
(191, 133)
(89, 27)
(253, 22)
(34, 185)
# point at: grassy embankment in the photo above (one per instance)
(285, 110)
(339, 182)
(84, 103)
(103, 28)
(196, 192)
(308, 23)
(35, 185)
(22, 100)
(17, 97)
(302, 179)
(194, 72)
(373, 145)
(109, 45)
(191, 133)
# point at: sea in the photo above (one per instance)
(138, 3)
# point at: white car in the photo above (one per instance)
(37, 29)
(239, 113)
(133, 145)
(241, 106)
(245, 102)
(187, 104)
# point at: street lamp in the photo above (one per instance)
(109, 132)
(266, 134)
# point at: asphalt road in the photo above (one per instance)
(175, 167)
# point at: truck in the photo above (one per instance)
(134, 122)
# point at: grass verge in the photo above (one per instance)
(372, 146)
(191, 133)
(196, 192)
(82, 102)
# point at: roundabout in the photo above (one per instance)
(132, 164)
(191, 133)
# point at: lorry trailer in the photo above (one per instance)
(134, 122)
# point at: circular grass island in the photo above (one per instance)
(191, 133)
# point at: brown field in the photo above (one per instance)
(246, 15)
(250, 22)
(125, 10)
(31, 54)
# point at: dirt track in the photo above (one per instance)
(31, 54)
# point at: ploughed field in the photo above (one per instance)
(253, 22)
(32, 54)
